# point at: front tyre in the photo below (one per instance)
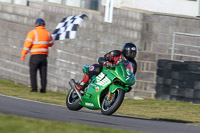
(111, 103)
(72, 101)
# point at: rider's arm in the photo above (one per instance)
(101, 61)
(134, 63)
(113, 56)
(110, 58)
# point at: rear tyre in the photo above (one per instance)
(109, 106)
(72, 101)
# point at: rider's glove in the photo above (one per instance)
(109, 65)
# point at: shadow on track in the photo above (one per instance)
(154, 119)
(138, 118)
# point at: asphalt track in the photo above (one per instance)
(39, 110)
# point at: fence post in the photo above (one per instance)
(173, 43)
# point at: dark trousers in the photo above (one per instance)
(38, 62)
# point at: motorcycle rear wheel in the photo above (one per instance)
(72, 101)
(109, 106)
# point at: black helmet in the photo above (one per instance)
(129, 51)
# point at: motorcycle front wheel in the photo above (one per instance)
(112, 102)
(72, 101)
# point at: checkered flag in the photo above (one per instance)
(67, 27)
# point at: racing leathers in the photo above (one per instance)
(109, 60)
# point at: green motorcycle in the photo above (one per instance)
(106, 91)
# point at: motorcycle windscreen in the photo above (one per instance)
(125, 72)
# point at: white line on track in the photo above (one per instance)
(51, 104)
(32, 100)
(42, 102)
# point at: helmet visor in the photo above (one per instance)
(130, 53)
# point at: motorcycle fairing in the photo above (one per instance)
(92, 95)
(91, 99)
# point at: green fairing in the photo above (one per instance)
(113, 88)
(85, 68)
(91, 99)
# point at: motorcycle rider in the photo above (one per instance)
(109, 60)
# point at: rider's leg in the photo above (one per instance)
(83, 82)
(94, 69)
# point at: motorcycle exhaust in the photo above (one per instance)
(72, 84)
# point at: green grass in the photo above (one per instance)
(16, 124)
(149, 108)
(12, 89)
(162, 110)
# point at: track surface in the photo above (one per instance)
(28, 108)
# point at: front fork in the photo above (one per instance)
(72, 83)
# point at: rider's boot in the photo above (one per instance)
(83, 83)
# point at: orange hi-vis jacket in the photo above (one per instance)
(37, 41)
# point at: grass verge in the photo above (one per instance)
(16, 124)
(153, 109)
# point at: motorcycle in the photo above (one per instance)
(105, 91)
